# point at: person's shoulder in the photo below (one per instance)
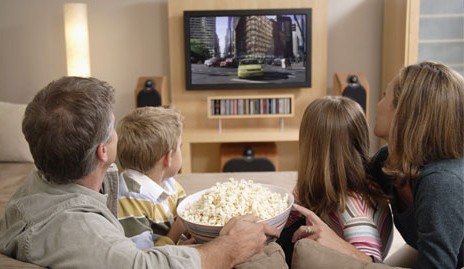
(175, 182)
(377, 161)
(444, 176)
(375, 169)
(178, 188)
(128, 184)
(451, 167)
(381, 155)
(357, 206)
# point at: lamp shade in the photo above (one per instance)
(77, 39)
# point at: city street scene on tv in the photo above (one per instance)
(248, 49)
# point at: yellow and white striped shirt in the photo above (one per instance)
(147, 210)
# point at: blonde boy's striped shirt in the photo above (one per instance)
(147, 210)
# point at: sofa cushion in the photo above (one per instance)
(271, 256)
(13, 145)
(310, 254)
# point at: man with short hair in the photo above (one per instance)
(60, 216)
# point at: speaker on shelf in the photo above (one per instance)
(151, 91)
(354, 86)
(148, 96)
(248, 163)
(248, 157)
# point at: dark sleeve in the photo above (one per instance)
(285, 239)
(439, 216)
(375, 169)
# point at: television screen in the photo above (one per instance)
(248, 49)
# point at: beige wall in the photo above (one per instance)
(355, 45)
(129, 38)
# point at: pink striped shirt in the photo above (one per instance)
(368, 229)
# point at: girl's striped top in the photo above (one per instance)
(368, 229)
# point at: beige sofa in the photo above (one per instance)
(12, 175)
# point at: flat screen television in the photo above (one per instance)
(247, 49)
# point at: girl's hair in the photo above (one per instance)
(429, 120)
(334, 156)
(146, 135)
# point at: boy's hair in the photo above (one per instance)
(429, 121)
(334, 156)
(146, 135)
(65, 123)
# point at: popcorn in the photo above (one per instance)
(235, 198)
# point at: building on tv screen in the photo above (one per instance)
(271, 50)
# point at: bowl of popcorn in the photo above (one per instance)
(205, 213)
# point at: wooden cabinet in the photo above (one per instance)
(419, 30)
(205, 137)
(201, 138)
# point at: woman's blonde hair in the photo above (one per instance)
(334, 156)
(146, 135)
(429, 120)
(396, 92)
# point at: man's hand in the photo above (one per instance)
(241, 238)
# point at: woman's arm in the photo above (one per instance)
(439, 216)
(325, 236)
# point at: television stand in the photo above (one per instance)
(193, 136)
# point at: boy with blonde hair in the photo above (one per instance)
(149, 151)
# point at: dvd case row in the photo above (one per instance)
(258, 106)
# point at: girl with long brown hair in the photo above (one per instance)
(333, 179)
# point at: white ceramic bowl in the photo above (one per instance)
(204, 233)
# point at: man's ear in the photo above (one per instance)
(167, 159)
(102, 153)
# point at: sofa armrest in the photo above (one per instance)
(308, 252)
(7, 262)
(12, 176)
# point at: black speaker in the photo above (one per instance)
(248, 163)
(148, 96)
(241, 157)
(354, 90)
(354, 86)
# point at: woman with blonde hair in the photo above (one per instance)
(424, 166)
(333, 179)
